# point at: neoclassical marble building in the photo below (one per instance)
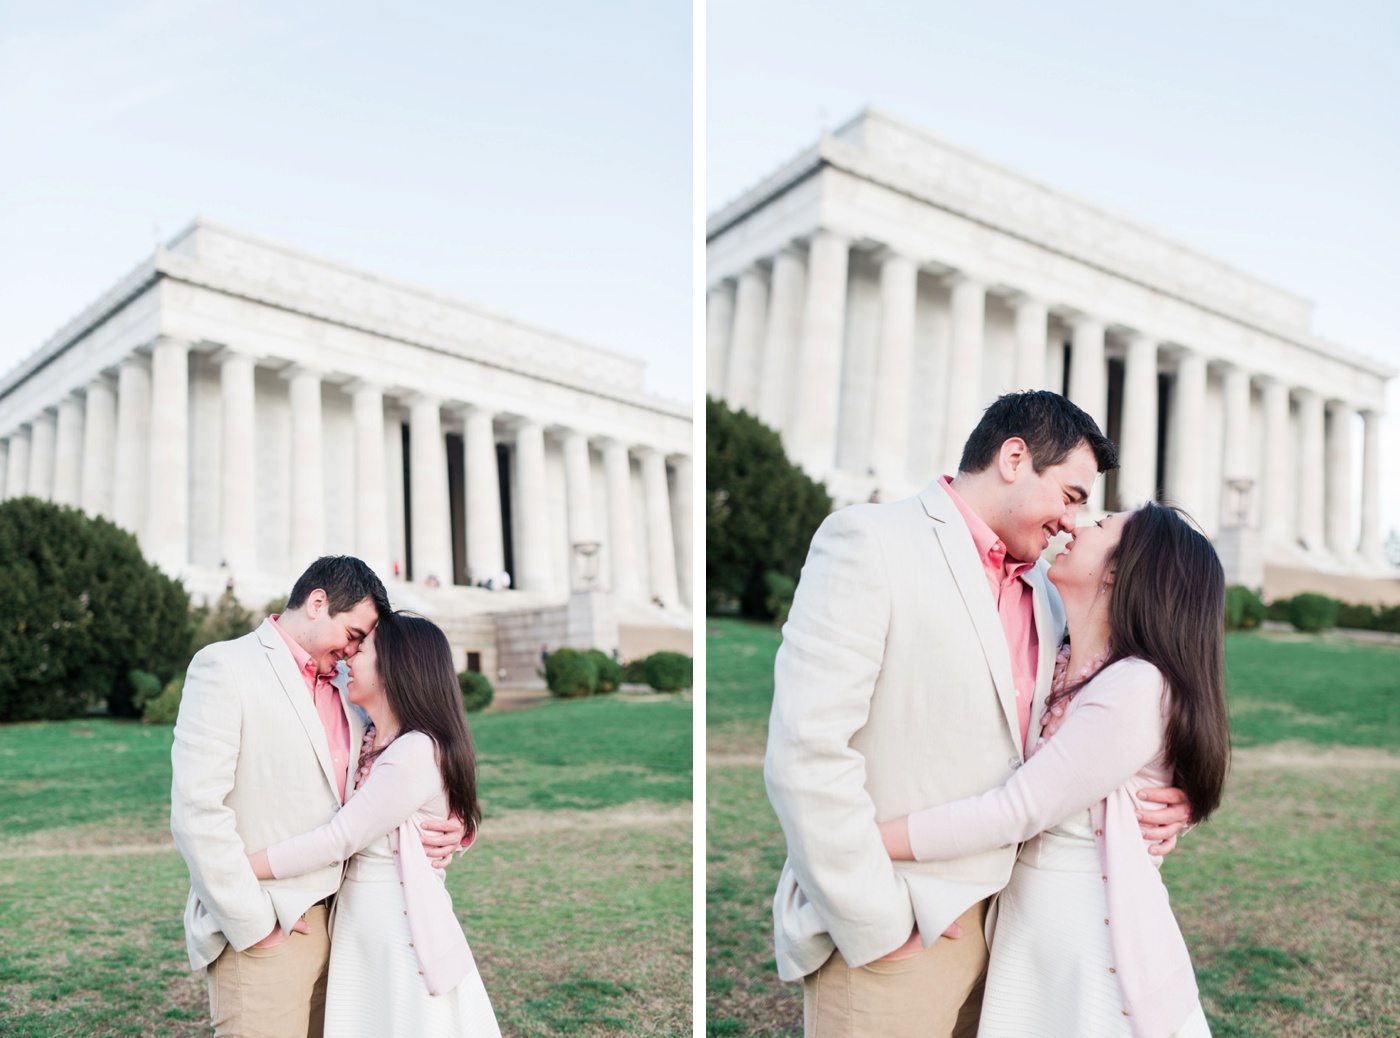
(872, 296)
(243, 407)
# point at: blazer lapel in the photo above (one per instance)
(279, 658)
(961, 554)
(1050, 631)
(357, 730)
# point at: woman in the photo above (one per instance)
(1085, 942)
(400, 964)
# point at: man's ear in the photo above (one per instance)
(1012, 457)
(314, 604)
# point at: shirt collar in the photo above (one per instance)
(990, 548)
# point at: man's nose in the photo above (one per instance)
(1069, 519)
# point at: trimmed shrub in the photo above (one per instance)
(165, 708)
(609, 671)
(1278, 610)
(669, 671)
(634, 672)
(1388, 619)
(145, 687)
(760, 512)
(1357, 617)
(570, 674)
(1244, 610)
(477, 692)
(81, 609)
(1311, 612)
(781, 588)
(220, 622)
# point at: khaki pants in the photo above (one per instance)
(276, 992)
(935, 994)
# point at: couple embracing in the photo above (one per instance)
(976, 811)
(312, 835)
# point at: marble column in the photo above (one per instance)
(817, 394)
(1371, 548)
(964, 391)
(238, 504)
(429, 508)
(41, 456)
(17, 464)
(1137, 446)
(308, 503)
(776, 370)
(1235, 467)
(683, 524)
(622, 540)
(719, 329)
(371, 476)
(99, 447)
(578, 484)
(661, 550)
(395, 490)
(4, 468)
(889, 434)
(532, 559)
(167, 540)
(68, 452)
(1312, 440)
(746, 345)
(485, 539)
(1185, 456)
(133, 436)
(1032, 329)
(1088, 384)
(1277, 508)
(1088, 369)
(1340, 539)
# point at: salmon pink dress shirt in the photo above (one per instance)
(1015, 603)
(326, 698)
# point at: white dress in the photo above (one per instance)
(375, 989)
(1051, 971)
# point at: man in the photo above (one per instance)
(913, 671)
(266, 747)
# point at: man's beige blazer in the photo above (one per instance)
(892, 691)
(251, 767)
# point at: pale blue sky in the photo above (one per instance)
(1266, 134)
(535, 158)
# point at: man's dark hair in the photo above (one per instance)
(1051, 426)
(346, 580)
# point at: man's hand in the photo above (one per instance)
(1161, 826)
(277, 936)
(441, 848)
(915, 944)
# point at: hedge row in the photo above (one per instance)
(1309, 611)
(574, 673)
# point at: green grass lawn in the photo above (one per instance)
(1289, 897)
(576, 900)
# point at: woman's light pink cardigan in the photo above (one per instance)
(403, 788)
(1109, 747)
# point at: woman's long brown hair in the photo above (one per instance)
(1168, 608)
(420, 683)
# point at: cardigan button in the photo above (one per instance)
(1126, 1013)
(1097, 832)
(1112, 970)
(1105, 922)
(420, 973)
(1105, 879)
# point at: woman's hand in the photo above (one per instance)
(895, 835)
(258, 863)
